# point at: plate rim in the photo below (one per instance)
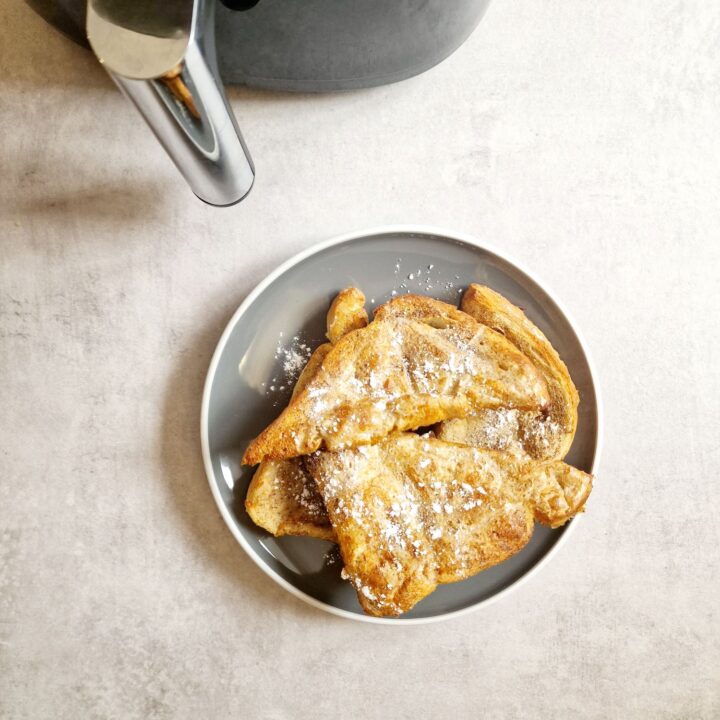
(407, 229)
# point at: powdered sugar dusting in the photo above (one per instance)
(296, 484)
(425, 278)
(408, 500)
(294, 357)
(422, 364)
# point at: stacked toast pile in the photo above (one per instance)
(425, 443)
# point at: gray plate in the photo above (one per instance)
(238, 401)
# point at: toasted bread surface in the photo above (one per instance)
(545, 435)
(284, 500)
(411, 512)
(419, 362)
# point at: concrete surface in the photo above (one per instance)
(582, 137)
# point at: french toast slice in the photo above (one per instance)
(411, 512)
(545, 435)
(282, 498)
(419, 362)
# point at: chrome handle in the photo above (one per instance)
(161, 53)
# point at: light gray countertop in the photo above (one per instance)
(584, 138)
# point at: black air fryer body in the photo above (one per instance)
(319, 45)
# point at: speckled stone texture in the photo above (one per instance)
(582, 137)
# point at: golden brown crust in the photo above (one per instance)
(419, 362)
(310, 370)
(411, 512)
(347, 313)
(432, 312)
(542, 436)
(559, 491)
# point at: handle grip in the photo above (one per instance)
(184, 104)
